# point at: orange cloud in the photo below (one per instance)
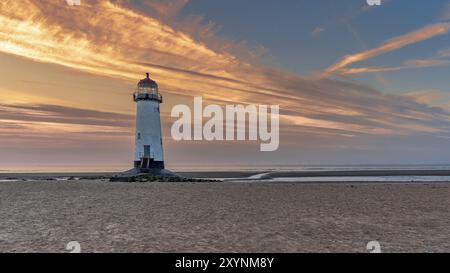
(422, 34)
(411, 64)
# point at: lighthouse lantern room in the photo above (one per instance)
(149, 154)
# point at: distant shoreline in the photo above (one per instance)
(237, 176)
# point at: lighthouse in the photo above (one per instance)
(149, 155)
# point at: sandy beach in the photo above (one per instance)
(43, 216)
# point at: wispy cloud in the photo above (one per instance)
(55, 128)
(444, 53)
(425, 96)
(63, 115)
(431, 97)
(411, 64)
(317, 31)
(166, 8)
(419, 35)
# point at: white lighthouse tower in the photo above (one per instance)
(149, 155)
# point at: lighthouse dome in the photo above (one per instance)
(147, 89)
(147, 83)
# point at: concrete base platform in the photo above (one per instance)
(156, 172)
(153, 175)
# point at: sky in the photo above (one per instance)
(356, 84)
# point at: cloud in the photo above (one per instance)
(63, 115)
(411, 64)
(317, 31)
(199, 29)
(35, 134)
(425, 96)
(107, 38)
(431, 97)
(166, 8)
(444, 53)
(419, 35)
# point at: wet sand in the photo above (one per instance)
(242, 174)
(43, 216)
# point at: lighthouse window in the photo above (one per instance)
(147, 150)
(139, 136)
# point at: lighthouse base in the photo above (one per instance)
(139, 171)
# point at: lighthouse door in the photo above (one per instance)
(147, 151)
